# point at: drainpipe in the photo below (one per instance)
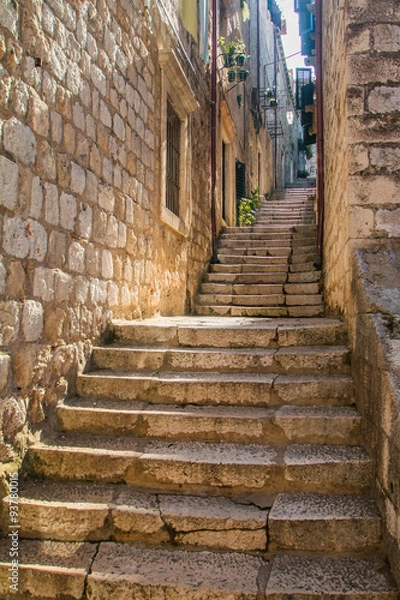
(213, 165)
(320, 132)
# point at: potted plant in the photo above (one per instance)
(240, 59)
(231, 75)
(242, 74)
(231, 50)
(247, 209)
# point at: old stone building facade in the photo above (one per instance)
(87, 93)
(361, 44)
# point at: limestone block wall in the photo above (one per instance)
(336, 225)
(362, 222)
(376, 341)
(361, 40)
(81, 233)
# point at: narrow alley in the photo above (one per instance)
(199, 300)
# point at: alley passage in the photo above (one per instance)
(211, 457)
(268, 270)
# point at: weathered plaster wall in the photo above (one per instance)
(81, 238)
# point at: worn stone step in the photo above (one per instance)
(232, 259)
(299, 289)
(264, 250)
(301, 267)
(231, 389)
(248, 269)
(251, 279)
(46, 569)
(92, 512)
(258, 229)
(241, 299)
(251, 243)
(253, 311)
(288, 424)
(313, 359)
(223, 332)
(316, 310)
(279, 239)
(204, 468)
(305, 578)
(304, 299)
(304, 277)
(241, 289)
(122, 571)
(324, 523)
(300, 257)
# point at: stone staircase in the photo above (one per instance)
(209, 457)
(268, 269)
(204, 458)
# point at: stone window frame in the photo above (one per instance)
(176, 89)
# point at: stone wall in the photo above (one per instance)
(361, 40)
(336, 225)
(362, 221)
(376, 361)
(81, 233)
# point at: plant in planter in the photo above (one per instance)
(247, 209)
(242, 75)
(240, 59)
(231, 50)
(231, 75)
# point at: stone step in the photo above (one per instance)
(240, 289)
(304, 300)
(123, 571)
(230, 389)
(282, 238)
(302, 267)
(72, 512)
(229, 332)
(251, 279)
(323, 523)
(251, 243)
(46, 569)
(259, 229)
(241, 299)
(248, 269)
(237, 259)
(204, 468)
(294, 360)
(253, 311)
(302, 289)
(316, 310)
(262, 250)
(283, 425)
(304, 277)
(303, 256)
(327, 578)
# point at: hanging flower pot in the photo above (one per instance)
(229, 60)
(242, 75)
(240, 60)
(231, 76)
(273, 103)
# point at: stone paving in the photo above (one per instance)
(204, 458)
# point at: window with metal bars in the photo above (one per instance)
(173, 160)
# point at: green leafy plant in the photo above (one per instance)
(247, 208)
(232, 47)
(245, 10)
